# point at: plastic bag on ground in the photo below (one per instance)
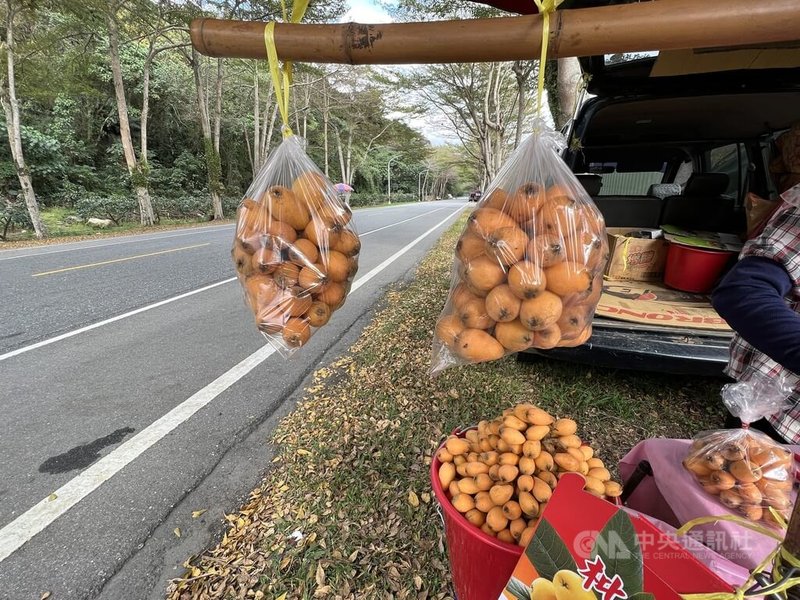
(528, 270)
(747, 470)
(295, 249)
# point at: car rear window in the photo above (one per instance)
(730, 159)
(625, 183)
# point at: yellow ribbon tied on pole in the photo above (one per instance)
(282, 78)
(546, 7)
(780, 559)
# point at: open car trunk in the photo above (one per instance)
(659, 119)
(704, 119)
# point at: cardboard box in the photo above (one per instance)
(635, 258)
(602, 552)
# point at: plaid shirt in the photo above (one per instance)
(780, 241)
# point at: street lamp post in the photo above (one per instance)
(389, 176)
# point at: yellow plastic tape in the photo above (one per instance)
(735, 519)
(545, 8)
(777, 557)
(282, 78)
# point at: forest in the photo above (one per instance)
(109, 113)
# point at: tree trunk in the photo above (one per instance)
(256, 124)
(522, 71)
(325, 118)
(297, 128)
(213, 166)
(249, 150)
(216, 200)
(142, 164)
(493, 126)
(137, 173)
(561, 82)
(266, 140)
(348, 179)
(8, 97)
(569, 76)
(148, 63)
(218, 106)
(341, 155)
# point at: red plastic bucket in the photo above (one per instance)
(480, 564)
(694, 269)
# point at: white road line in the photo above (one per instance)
(38, 517)
(34, 520)
(367, 276)
(195, 231)
(75, 332)
(400, 222)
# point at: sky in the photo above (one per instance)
(366, 11)
(369, 11)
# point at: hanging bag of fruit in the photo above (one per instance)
(295, 249)
(529, 264)
(746, 469)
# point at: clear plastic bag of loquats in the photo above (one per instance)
(295, 249)
(528, 270)
(747, 470)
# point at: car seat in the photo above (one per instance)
(702, 206)
(622, 211)
(591, 182)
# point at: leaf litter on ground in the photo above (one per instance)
(346, 509)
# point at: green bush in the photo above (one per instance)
(229, 206)
(404, 197)
(195, 206)
(366, 199)
(374, 199)
(117, 207)
(182, 207)
(186, 176)
(13, 214)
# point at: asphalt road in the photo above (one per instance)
(134, 390)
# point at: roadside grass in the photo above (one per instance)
(54, 220)
(346, 511)
(60, 231)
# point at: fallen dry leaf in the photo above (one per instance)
(177, 532)
(197, 513)
(373, 419)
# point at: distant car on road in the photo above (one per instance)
(475, 196)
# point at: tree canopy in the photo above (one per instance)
(119, 117)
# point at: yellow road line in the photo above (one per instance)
(116, 260)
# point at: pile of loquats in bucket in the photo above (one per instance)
(500, 474)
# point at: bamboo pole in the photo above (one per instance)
(659, 25)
